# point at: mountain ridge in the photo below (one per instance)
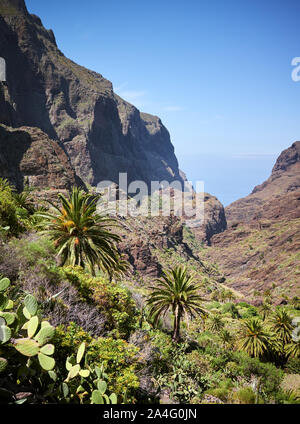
(281, 188)
(99, 131)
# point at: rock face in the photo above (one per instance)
(28, 153)
(101, 133)
(214, 219)
(276, 197)
(141, 238)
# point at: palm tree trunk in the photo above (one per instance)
(176, 332)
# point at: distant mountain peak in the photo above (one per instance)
(277, 197)
(288, 157)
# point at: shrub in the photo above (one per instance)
(111, 298)
(118, 357)
(293, 366)
(271, 376)
(8, 209)
(247, 311)
(232, 309)
(220, 393)
(245, 395)
(35, 250)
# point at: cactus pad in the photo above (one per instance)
(45, 335)
(80, 353)
(32, 326)
(3, 364)
(4, 284)
(30, 303)
(97, 398)
(46, 362)
(5, 334)
(27, 347)
(47, 349)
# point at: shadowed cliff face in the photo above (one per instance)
(28, 153)
(101, 133)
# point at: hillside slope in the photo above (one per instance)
(260, 249)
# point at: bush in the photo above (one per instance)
(8, 209)
(220, 393)
(118, 357)
(246, 310)
(111, 298)
(245, 395)
(271, 376)
(163, 342)
(293, 366)
(232, 309)
(35, 250)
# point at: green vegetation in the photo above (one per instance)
(27, 358)
(177, 291)
(81, 236)
(15, 209)
(79, 331)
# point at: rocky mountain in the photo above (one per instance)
(214, 219)
(101, 133)
(259, 251)
(275, 198)
(28, 154)
(70, 125)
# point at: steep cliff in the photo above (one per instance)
(27, 153)
(214, 219)
(101, 133)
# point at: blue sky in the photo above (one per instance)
(217, 72)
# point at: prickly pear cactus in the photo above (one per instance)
(22, 331)
(74, 367)
(37, 342)
(91, 382)
(12, 324)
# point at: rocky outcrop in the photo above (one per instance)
(27, 153)
(101, 133)
(143, 236)
(273, 197)
(214, 219)
(140, 257)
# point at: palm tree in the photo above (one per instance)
(215, 323)
(295, 302)
(265, 309)
(281, 324)
(226, 337)
(122, 266)
(177, 291)
(254, 338)
(23, 200)
(293, 349)
(80, 235)
(230, 295)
